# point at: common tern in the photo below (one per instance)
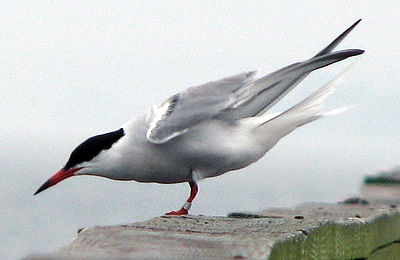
(204, 131)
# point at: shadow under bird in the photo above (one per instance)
(205, 131)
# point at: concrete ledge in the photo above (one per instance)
(311, 231)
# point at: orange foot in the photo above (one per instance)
(182, 211)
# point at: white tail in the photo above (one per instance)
(304, 112)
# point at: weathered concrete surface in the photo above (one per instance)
(312, 231)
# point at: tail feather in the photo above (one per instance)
(305, 111)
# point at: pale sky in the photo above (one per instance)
(72, 70)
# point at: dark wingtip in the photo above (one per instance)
(357, 22)
(43, 187)
(354, 52)
(344, 53)
(338, 39)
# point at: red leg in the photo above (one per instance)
(185, 208)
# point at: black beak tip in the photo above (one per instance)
(42, 188)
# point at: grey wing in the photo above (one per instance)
(268, 90)
(192, 106)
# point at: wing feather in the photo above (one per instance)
(193, 105)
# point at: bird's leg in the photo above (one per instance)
(185, 208)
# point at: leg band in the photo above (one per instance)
(187, 205)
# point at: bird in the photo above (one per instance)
(206, 130)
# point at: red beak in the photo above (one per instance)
(56, 178)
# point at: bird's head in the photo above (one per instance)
(83, 159)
